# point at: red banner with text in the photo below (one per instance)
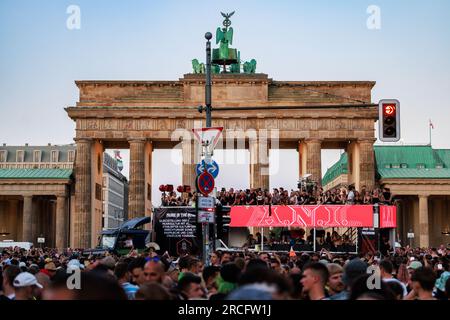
(388, 216)
(320, 216)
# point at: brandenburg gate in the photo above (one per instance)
(143, 115)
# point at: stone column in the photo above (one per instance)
(313, 148)
(424, 236)
(353, 160)
(83, 206)
(27, 219)
(259, 163)
(301, 162)
(60, 225)
(148, 178)
(366, 165)
(190, 159)
(136, 196)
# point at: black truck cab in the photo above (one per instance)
(130, 235)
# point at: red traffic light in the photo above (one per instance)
(389, 109)
(389, 120)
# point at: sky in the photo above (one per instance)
(406, 51)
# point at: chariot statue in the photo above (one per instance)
(225, 57)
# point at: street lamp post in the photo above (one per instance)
(208, 108)
(208, 37)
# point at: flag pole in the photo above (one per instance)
(429, 128)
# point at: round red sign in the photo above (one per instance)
(205, 183)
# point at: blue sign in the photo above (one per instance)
(212, 168)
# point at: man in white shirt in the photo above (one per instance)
(386, 269)
(351, 195)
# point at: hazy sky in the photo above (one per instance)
(40, 58)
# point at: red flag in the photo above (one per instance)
(431, 125)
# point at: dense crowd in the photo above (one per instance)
(280, 196)
(405, 273)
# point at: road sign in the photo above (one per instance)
(205, 183)
(208, 136)
(206, 216)
(212, 168)
(410, 235)
(206, 202)
(40, 240)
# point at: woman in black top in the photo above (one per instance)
(375, 197)
(327, 198)
(387, 195)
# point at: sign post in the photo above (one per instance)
(40, 240)
(206, 171)
(410, 237)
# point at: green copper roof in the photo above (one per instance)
(414, 173)
(336, 170)
(35, 173)
(409, 156)
(444, 154)
(401, 162)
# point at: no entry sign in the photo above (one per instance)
(205, 183)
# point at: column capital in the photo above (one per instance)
(83, 140)
(367, 140)
(313, 140)
(137, 140)
(27, 196)
(423, 195)
(185, 140)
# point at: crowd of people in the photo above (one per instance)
(280, 196)
(404, 274)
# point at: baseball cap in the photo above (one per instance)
(26, 279)
(324, 262)
(440, 283)
(74, 264)
(22, 264)
(50, 266)
(352, 270)
(415, 265)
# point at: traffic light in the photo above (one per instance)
(389, 120)
(223, 220)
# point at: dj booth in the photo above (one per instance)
(314, 217)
